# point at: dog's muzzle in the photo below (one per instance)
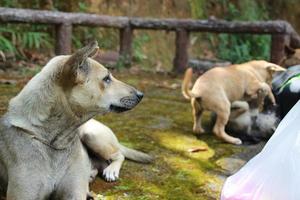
(127, 103)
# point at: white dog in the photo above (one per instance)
(102, 141)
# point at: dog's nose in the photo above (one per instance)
(139, 95)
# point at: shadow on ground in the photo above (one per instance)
(160, 125)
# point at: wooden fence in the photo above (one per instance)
(282, 32)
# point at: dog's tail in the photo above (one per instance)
(135, 155)
(187, 80)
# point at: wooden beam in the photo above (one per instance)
(56, 17)
(216, 25)
(63, 43)
(278, 43)
(180, 61)
(126, 37)
(280, 30)
(210, 25)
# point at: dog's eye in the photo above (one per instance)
(107, 79)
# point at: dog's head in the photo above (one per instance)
(91, 87)
(266, 70)
(292, 57)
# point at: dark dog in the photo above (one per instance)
(286, 89)
(253, 126)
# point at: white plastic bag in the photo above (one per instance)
(273, 174)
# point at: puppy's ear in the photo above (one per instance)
(76, 67)
(275, 68)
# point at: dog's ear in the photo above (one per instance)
(275, 68)
(76, 67)
(289, 51)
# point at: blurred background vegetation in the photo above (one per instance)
(152, 48)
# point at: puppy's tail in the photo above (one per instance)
(187, 80)
(135, 155)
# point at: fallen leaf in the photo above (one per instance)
(197, 149)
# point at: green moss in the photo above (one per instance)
(161, 125)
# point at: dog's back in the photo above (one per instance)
(229, 81)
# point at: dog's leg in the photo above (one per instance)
(111, 172)
(79, 191)
(261, 92)
(238, 108)
(197, 113)
(22, 186)
(271, 96)
(103, 143)
(74, 186)
(222, 119)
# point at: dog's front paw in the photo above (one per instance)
(198, 130)
(110, 173)
(237, 141)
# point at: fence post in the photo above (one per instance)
(180, 61)
(63, 38)
(126, 37)
(278, 47)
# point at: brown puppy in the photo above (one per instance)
(216, 89)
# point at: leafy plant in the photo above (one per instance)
(6, 45)
(82, 7)
(107, 38)
(15, 39)
(122, 62)
(197, 8)
(239, 48)
(243, 47)
(138, 43)
(236, 48)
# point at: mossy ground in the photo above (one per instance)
(162, 126)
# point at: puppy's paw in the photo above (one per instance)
(198, 130)
(237, 141)
(111, 174)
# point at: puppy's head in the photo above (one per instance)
(91, 87)
(292, 58)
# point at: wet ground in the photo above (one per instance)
(160, 125)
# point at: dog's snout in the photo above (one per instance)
(139, 95)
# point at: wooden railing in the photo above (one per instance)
(282, 32)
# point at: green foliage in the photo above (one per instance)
(108, 38)
(138, 44)
(197, 8)
(122, 62)
(8, 3)
(82, 7)
(6, 45)
(15, 39)
(237, 48)
(243, 47)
